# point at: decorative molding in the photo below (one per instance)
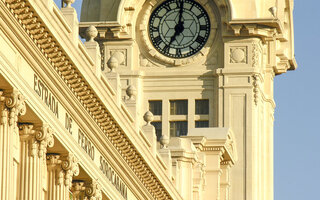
(256, 88)
(25, 14)
(43, 138)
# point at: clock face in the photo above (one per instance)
(179, 28)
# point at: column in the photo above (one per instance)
(32, 169)
(12, 105)
(213, 172)
(61, 169)
(225, 180)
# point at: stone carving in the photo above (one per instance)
(112, 63)
(42, 139)
(93, 191)
(45, 139)
(256, 85)
(78, 190)
(71, 168)
(148, 117)
(91, 33)
(255, 55)
(238, 55)
(164, 141)
(15, 104)
(131, 92)
(120, 55)
(68, 2)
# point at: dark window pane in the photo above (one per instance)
(202, 124)
(178, 128)
(158, 127)
(155, 107)
(202, 107)
(179, 107)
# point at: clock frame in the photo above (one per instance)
(152, 54)
(179, 28)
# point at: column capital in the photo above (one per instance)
(42, 137)
(67, 167)
(14, 101)
(93, 191)
(71, 167)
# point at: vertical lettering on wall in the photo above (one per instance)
(68, 123)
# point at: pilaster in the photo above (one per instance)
(245, 90)
(60, 172)
(32, 168)
(184, 157)
(12, 105)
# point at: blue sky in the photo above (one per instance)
(296, 138)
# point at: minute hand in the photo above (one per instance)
(180, 12)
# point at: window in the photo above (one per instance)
(202, 107)
(202, 124)
(158, 127)
(178, 128)
(155, 107)
(178, 107)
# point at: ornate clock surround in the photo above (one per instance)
(151, 52)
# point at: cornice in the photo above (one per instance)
(62, 64)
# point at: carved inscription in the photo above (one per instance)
(68, 123)
(85, 144)
(113, 177)
(47, 97)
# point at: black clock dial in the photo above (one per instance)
(179, 28)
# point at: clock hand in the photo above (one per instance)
(180, 12)
(179, 27)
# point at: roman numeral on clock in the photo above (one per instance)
(166, 49)
(178, 52)
(200, 39)
(203, 27)
(167, 7)
(201, 15)
(155, 29)
(157, 40)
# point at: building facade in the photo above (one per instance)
(165, 99)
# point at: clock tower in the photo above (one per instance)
(200, 67)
